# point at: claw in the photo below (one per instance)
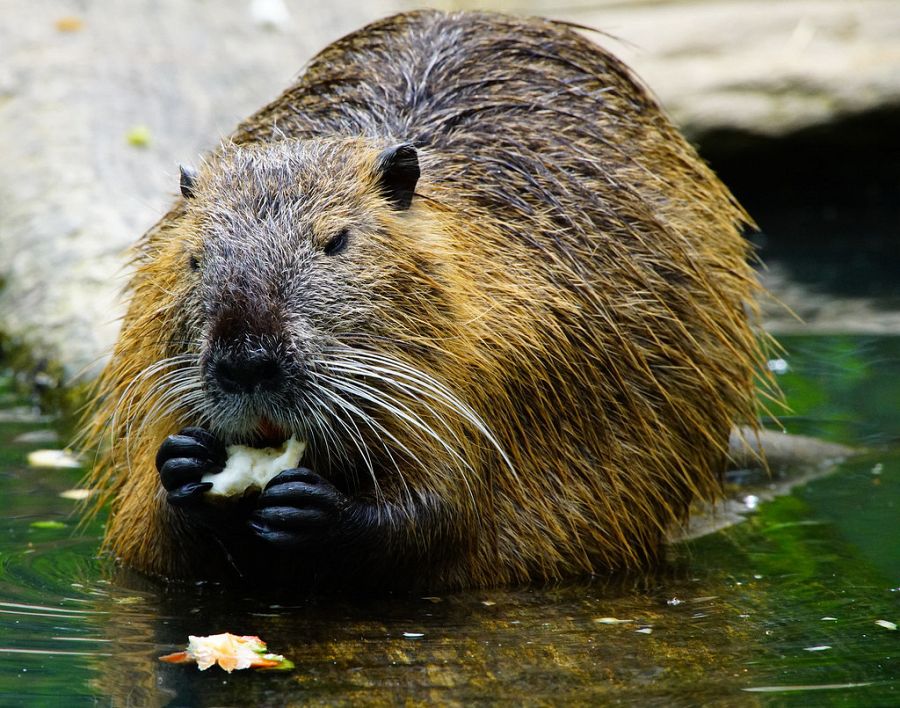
(207, 439)
(191, 442)
(297, 474)
(183, 459)
(281, 539)
(298, 493)
(188, 494)
(289, 517)
(182, 470)
(297, 508)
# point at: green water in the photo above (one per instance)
(779, 610)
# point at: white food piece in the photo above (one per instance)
(248, 467)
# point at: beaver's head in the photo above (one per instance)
(314, 274)
(291, 250)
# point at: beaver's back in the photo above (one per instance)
(441, 80)
(521, 117)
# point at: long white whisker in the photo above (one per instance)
(172, 390)
(126, 398)
(373, 425)
(411, 390)
(317, 420)
(399, 410)
(164, 398)
(394, 401)
(422, 383)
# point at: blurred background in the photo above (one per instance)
(794, 102)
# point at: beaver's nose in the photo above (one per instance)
(246, 372)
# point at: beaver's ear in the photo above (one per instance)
(398, 171)
(188, 177)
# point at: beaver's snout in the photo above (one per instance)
(252, 390)
(251, 366)
(245, 371)
(248, 348)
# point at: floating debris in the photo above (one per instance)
(778, 366)
(820, 647)
(55, 459)
(413, 635)
(891, 626)
(76, 494)
(24, 414)
(611, 620)
(49, 524)
(230, 651)
(37, 436)
(805, 687)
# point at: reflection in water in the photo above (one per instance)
(785, 604)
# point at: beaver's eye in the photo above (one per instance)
(337, 243)
(194, 262)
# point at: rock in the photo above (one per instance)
(757, 66)
(77, 187)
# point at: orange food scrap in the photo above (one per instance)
(229, 651)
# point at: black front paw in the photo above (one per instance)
(298, 507)
(183, 459)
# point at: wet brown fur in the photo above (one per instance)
(569, 269)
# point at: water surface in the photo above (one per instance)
(779, 610)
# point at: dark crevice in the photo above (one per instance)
(827, 199)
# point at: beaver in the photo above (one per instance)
(468, 259)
